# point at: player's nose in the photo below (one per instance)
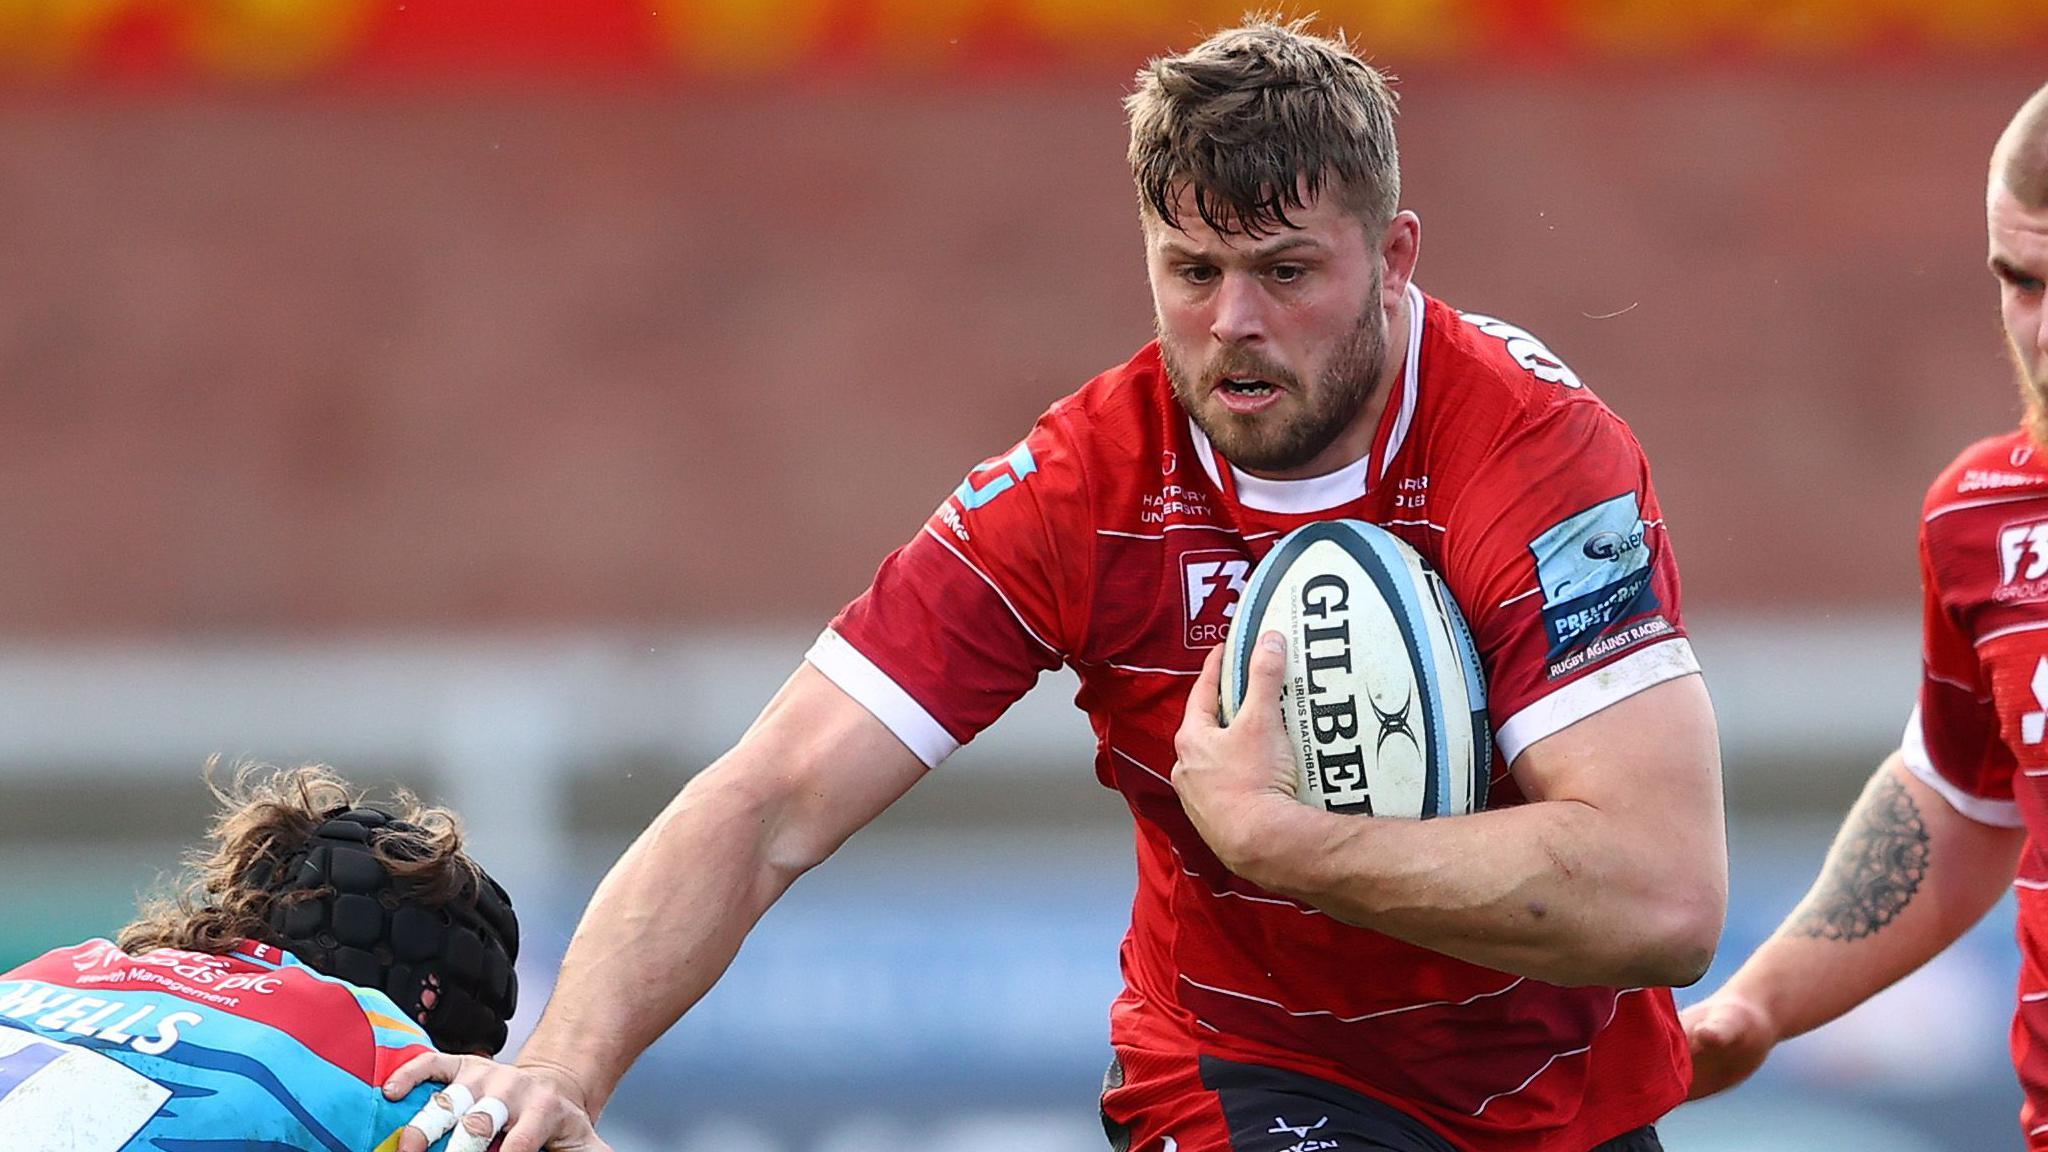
(1239, 310)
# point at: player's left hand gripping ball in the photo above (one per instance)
(1231, 780)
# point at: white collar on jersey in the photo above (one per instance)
(1346, 484)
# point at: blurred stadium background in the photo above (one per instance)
(497, 396)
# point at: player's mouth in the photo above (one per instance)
(1245, 395)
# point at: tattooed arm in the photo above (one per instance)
(1906, 876)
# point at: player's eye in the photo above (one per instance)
(2021, 282)
(1197, 273)
(1287, 273)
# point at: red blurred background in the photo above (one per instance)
(344, 315)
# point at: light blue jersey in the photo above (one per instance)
(185, 1052)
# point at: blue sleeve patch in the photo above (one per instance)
(1594, 568)
(995, 478)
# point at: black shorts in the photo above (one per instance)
(1254, 1108)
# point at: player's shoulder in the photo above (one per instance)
(252, 986)
(393, 1036)
(1494, 381)
(1119, 412)
(1079, 454)
(1994, 468)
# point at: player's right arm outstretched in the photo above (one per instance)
(671, 914)
(1907, 875)
(957, 625)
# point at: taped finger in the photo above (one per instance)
(443, 1108)
(467, 1139)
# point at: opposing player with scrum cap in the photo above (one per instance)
(1496, 981)
(315, 944)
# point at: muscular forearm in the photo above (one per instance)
(665, 923)
(1906, 876)
(1548, 890)
(671, 915)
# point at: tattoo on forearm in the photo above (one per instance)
(1872, 872)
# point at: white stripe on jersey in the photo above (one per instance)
(1161, 534)
(1559, 1056)
(1521, 596)
(1226, 893)
(1473, 999)
(2008, 630)
(1155, 773)
(1985, 502)
(996, 588)
(1956, 684)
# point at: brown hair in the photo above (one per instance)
(2020, 161)
(225, 894)
(1258, 120)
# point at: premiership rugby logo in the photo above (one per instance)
(1595, 569)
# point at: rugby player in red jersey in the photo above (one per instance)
(1294, 979)
(1941, 831)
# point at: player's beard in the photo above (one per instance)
(1278, 440)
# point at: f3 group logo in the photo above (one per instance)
(1211, 581)
(2022, 562)
(1594, 569)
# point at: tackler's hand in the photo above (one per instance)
(530, 1108)
(1729, 1036)
(1235, 781)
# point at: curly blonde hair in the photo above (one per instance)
(227, 890)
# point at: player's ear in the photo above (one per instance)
(1400, 247)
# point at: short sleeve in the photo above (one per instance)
(960, 622)
(1559, 555)
(1951, 741)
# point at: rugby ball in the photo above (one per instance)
(1383, 701)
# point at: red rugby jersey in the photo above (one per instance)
(1115, 540)
(1979, 735)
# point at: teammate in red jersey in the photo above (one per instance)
(1294, 979)
(1942, 828)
